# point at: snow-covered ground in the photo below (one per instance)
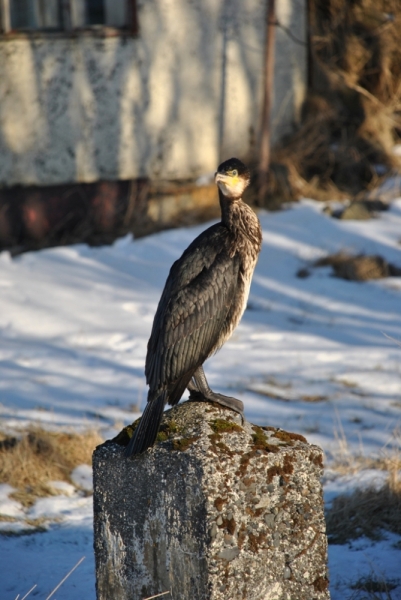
(312, 355)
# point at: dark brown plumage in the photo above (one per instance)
(202, 302)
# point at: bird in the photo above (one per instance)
(203, 300)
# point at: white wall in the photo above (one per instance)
(88, 108)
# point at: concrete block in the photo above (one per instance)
(217, 510)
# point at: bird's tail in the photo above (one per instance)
(145, 434)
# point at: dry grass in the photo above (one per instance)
(352, 114)
(41, 456)
(373, 588)
(366, 512)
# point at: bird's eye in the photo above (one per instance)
(234, 172)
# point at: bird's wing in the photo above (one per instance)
(194, 305)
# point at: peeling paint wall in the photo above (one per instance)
(170, 103)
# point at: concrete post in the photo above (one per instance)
(217, 510)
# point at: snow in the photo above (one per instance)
(346, 484)
(82, 477)
(9, 507)
(315, 355)
(364, 559)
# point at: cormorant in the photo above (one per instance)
(202, 303)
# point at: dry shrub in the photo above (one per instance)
(373, 588)
(366, 512)
(41, 456)
(352, 115)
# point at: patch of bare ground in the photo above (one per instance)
(358, 268)
(31, 462)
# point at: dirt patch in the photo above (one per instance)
(360, 210)
(313, 398)
(359, 268)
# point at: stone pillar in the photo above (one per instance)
(217, 510)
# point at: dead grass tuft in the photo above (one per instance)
(366, 512)
(372, 588)
(41, 456)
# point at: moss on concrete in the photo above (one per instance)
(288, 437)
(123, 438)
(183, 444)
(167, 430)
(223, 426)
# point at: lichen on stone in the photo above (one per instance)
(316, 459)
(260, 441)
(219, 503)
(321, 584)
(256, 541)
(229, 525)
(281, 471)
(218, 446)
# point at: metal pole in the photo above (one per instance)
(264, 158)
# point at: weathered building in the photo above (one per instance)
(111, 90)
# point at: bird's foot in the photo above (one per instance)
(226, 401)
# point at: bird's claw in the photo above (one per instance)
(225, 401)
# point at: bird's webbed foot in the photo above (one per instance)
(201, 392)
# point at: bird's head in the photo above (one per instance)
(232, 177)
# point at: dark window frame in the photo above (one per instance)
(131, 28)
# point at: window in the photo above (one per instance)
(66, 15)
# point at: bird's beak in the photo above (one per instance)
(220, 177)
